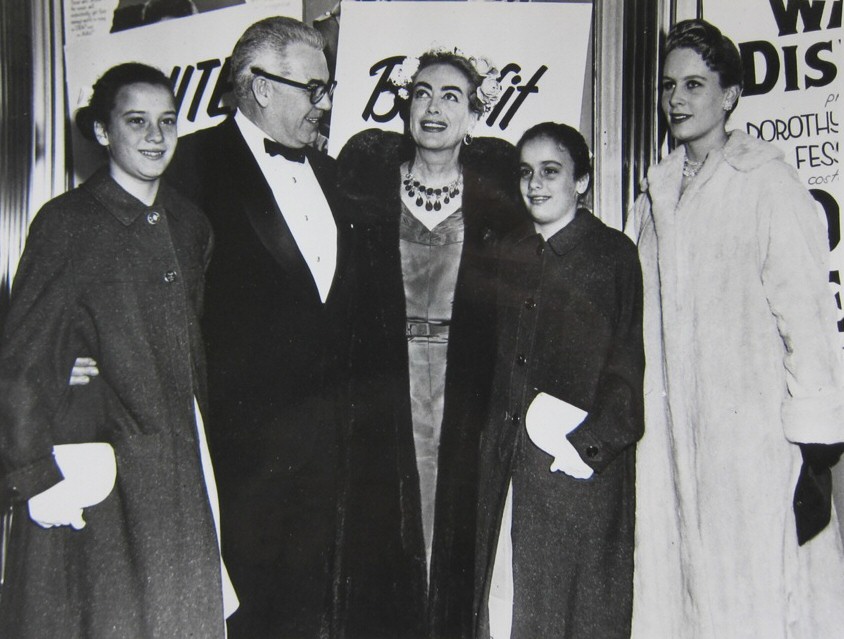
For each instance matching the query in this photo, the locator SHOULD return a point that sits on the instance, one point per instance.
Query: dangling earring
(467, 139)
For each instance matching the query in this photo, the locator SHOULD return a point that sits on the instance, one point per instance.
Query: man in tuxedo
(276, 327)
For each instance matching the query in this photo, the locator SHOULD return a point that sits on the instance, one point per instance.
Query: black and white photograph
(444, 319)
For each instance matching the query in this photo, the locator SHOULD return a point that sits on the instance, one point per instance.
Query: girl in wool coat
(114, 511)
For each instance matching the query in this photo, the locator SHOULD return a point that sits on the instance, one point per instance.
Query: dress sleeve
(616, 420)
(795, 277)
(34, 365)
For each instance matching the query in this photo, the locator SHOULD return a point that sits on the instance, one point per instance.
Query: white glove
(548, 421)
(89, 472)
(54, 507)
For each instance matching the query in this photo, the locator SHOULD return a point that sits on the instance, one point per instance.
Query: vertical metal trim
(608, 54)
(49, 171)
(16, 126)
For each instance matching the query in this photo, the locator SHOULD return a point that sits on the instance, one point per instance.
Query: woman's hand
(55, 507)
(84, 368)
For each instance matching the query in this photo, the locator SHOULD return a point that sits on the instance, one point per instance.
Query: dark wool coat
(105, 276)
(382, 582)
(570, 325)
(277, 371)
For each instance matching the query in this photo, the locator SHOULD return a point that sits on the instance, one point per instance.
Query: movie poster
(791, 50)
(192, 50)
(540, 50)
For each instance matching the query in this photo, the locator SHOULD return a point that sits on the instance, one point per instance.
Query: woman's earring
(727, 105)
(467, 139)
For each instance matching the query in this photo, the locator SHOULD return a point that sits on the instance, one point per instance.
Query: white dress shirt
(302, 203)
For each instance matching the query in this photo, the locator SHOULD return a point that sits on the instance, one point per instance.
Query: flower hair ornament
(488, 92)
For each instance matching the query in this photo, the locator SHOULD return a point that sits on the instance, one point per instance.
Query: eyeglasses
(317, 89)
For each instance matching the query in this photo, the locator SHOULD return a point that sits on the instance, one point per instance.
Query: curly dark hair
(567, 138)
(108, 86)
(717, 50)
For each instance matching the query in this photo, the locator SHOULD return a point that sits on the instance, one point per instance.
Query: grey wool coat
(106, 276)
(570, 325)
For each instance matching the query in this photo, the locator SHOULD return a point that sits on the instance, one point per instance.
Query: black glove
(813, 493)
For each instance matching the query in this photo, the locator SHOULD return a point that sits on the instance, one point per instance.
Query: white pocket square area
(548, 421)
(89, 471)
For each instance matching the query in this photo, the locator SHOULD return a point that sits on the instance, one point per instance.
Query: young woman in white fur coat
(743, 375)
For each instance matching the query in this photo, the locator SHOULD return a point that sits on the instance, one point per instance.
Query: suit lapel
(262, 211)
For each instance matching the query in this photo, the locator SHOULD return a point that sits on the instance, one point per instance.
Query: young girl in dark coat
(556, 502)
(113, 529)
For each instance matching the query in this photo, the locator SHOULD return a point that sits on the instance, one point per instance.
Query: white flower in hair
(402, 75)
(483, 66)
(489, 91)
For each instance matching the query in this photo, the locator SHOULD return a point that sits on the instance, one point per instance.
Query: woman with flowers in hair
(430, 205)
(744, 389)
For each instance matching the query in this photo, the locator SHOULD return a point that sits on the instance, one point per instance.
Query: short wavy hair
(270, 34)
(107, 87)
(717, 50)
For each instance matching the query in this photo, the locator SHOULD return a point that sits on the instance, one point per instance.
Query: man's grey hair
(271, 34)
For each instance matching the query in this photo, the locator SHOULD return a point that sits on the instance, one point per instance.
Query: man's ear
(261, 90)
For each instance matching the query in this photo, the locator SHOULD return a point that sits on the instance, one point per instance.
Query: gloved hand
(548, 421)
(821, 456)
(52, 508)
(89, 471)
(812, 502)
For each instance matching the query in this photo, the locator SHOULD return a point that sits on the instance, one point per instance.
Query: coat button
(153, 217)
(170, 276)
(521, 360)
(592, 452)
(516, 417)
(530, 304)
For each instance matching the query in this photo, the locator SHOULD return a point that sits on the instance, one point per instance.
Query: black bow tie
(274, 148)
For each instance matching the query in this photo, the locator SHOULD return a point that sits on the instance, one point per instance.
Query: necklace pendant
(432, 198)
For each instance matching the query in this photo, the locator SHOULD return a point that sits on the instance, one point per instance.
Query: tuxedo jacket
(277, 358)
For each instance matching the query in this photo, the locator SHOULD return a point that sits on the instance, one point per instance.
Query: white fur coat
(742, 362)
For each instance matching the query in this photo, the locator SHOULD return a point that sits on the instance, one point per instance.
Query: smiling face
(548, 184)
(287, 114)
(140, 134)
(693, 101)
(439, 108)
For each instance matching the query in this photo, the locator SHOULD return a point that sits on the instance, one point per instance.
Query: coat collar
(568, 237)
(742, 152)
(119, 202)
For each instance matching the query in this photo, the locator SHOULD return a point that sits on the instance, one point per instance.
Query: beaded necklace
(691, 169)
(432, 199)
